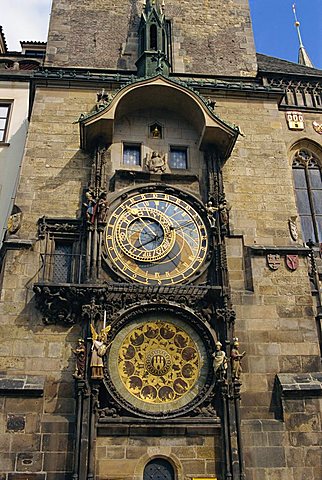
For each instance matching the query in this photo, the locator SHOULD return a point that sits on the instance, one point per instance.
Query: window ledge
(4, 144)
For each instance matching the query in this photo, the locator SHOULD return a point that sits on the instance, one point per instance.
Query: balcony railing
(62, 267)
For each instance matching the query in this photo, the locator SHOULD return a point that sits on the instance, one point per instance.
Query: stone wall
(192, 455)
(212, 37)
(275, 317)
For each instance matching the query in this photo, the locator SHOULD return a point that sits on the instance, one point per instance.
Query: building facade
(15, 70)
(160, 299)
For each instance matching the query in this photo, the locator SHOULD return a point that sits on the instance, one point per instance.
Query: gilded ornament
(99, 349)
(161, 363)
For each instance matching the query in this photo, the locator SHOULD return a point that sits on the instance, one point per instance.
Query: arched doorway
(159, 469)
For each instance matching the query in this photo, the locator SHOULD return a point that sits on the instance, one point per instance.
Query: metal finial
(304, 58)
(297, 25)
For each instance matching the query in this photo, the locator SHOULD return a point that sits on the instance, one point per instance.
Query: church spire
(304, 58)
(154, 40)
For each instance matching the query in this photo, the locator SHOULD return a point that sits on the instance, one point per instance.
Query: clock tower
(155, 291)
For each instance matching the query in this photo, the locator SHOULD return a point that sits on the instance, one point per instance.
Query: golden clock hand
(149, 241)
(182, 226)
(133, 211)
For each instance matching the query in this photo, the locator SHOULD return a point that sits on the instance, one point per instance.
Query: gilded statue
(99, 349)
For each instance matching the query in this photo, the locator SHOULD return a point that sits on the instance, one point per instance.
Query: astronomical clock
(159, 361)
(156, 238)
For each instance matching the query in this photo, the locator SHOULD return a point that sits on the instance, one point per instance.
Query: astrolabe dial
(160, 362)
(145, 234)
(156, 238)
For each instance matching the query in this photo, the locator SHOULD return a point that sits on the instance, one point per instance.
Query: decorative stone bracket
(67, 304)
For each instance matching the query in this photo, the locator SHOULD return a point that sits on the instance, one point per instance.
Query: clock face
(156, 238)
(161, 362)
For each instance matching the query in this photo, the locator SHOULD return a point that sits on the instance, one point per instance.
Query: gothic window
(158, 469)
(142, 40)
(131, 155)
(4, 120)
(62, 258)
(153, 37)
(63, 262)
(308, 189)
(178, 158)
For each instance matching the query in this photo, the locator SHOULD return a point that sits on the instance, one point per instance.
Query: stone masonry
(213, 37)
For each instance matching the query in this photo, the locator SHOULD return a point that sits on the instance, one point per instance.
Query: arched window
(308, 189)
(153, 37)
(158, 469)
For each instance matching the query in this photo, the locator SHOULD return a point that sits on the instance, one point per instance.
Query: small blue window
(132, 155)
(178, 158)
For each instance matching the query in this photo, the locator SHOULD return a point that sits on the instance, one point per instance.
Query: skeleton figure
(211, 211)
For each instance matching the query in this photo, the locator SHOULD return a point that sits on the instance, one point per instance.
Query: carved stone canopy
(154, 93)
(68, 304)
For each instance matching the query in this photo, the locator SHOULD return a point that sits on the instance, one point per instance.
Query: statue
(90, 206)
(219, 360)
(99, 349)
(236, 357)
(14, 221)
(102, 208)
(211, 211)
(80, 352)
(156, 163)
(224, 210)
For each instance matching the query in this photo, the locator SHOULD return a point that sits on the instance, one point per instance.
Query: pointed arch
(306, 158)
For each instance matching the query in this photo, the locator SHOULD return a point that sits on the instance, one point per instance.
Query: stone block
(25, 442)
(57, 462)
(194, 467)
(29, 462)
(303, 422)
(56, 424)
(111, 468)
(294, 457)
(7, 462)
(313, 457)
(265, 457)
(55, 442)
(23, 405)
(184, 452)
(305, 473)
(16, 423)
(135, 452)
(207, 453)
(31, 476)
(115, 452)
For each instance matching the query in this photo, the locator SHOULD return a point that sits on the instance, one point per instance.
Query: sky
(273, 25)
